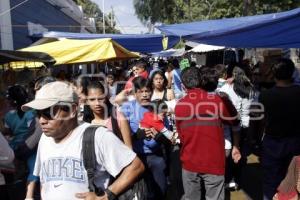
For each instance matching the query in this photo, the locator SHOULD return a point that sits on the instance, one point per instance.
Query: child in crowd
(156, 118)
(139, 69)
(112, 87)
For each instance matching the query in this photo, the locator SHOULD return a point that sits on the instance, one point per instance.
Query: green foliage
(91, 9)
(153, 11)
(178, 11)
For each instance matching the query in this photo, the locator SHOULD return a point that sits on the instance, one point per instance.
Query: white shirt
(242, 105)
(60, 166)
(228, 89)
(112, 90)
(227, 134)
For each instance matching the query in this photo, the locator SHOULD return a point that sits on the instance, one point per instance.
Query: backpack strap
(89, 158)
(115, 125)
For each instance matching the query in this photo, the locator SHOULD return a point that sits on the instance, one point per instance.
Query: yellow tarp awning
(69, 51)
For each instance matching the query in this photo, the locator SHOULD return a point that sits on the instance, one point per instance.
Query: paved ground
(250, 186)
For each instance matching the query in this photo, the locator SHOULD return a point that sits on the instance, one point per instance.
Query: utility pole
(246, 7)
(190, 11)
(103, 16)
(112, 17)
(6, 31)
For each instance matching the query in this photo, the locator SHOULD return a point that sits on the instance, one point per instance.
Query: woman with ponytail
(101, 112)
(241, 92)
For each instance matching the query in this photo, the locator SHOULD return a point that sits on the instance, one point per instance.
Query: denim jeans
(155, 176)
(277, 154)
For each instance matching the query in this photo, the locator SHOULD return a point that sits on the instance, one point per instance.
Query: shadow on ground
(251, 182)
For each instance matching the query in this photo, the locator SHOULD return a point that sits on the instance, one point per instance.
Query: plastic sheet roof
(143, 43)
(275, 30)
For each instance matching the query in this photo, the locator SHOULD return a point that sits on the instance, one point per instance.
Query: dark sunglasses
(49, 113)
(45, 113)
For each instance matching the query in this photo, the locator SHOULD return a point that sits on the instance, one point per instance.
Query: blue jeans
(277, 154)
(155, 176)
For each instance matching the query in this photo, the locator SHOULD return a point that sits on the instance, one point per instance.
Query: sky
(127, 21)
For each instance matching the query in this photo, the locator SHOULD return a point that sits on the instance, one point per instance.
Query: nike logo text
(57, 185)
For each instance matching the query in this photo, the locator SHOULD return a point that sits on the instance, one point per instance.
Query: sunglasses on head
(50, 113)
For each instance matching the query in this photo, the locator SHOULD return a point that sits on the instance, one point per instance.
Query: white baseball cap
(52, 94)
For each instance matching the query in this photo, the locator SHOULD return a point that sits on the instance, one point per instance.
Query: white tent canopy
(201, 48)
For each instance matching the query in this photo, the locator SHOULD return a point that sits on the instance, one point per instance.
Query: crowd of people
(160, 133)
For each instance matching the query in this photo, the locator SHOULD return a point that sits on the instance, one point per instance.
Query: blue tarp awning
(169, 53)
(144, 43)
(276, 30)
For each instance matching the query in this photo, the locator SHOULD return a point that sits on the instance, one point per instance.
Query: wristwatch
(110, 194)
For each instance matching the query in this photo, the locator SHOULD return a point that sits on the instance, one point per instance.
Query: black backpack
(89, 160)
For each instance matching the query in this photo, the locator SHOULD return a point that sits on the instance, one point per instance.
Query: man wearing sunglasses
(59, 162)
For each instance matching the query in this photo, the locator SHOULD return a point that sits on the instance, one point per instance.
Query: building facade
(21, 19)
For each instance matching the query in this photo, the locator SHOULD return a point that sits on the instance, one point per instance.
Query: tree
(178, 11)
(111, 23)
(91, 9)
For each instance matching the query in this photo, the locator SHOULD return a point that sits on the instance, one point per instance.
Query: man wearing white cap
(59, 162)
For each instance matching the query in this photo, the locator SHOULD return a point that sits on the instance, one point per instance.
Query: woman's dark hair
(111, 110)
(83, 81)
(175, 63)
(162, 64)
(283, 69)
(88, 115)
(141, 64)
(230, 68)
(18, 97)
(208, 79)
(190, 77)
(120, 87)
(160, 73)
(95, 85)
(140, 82)
(221, 70)
(43, 80)
(242, 84)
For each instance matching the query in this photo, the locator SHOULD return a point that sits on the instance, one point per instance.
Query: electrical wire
(6, 11)
(63, 26)
(120, 24)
